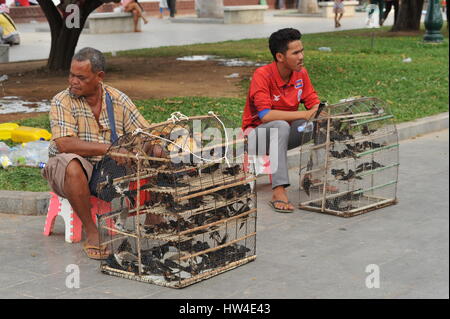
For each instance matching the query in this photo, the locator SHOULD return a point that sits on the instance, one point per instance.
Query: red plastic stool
(266, 165)
(60, 206)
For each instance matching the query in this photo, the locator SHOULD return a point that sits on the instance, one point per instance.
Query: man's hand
(154, 150)
(314, 111)
(122, 160)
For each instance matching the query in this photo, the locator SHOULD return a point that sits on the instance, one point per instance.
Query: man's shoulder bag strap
(112, 122)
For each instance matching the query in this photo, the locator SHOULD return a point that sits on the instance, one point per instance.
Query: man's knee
(75, 171)
(283, 127)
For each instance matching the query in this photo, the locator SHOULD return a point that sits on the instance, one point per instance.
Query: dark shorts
(55, 170)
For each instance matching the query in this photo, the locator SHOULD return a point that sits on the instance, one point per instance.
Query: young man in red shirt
(271, 117)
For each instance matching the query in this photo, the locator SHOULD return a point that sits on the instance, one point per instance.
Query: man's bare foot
(93, 238)
(137, 30)
(146, 21)
(279, 193)
(93, 249)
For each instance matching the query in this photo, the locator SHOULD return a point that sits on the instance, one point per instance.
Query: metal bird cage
(187, 208)
(349, 159)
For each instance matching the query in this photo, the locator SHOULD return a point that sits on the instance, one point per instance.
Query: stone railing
(111, 22)
(244, 14)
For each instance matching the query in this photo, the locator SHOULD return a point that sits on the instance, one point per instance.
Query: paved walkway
(300, 255)
(36, 45)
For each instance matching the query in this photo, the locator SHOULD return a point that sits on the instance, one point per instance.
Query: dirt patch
(139, 78)
(13, 117)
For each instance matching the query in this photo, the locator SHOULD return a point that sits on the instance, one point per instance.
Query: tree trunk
(209, 8)
(409, 16)
(64, 39)
(308, 6)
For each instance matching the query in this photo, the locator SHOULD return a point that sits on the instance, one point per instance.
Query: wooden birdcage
(187, 208)
(351, 165)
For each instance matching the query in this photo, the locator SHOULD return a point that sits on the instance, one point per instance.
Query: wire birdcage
(187, 208)
(351, 166)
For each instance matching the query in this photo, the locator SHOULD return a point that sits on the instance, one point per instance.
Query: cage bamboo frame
(207, 209)
(352, 160)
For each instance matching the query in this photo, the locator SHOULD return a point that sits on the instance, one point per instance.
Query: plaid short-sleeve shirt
(72, 116)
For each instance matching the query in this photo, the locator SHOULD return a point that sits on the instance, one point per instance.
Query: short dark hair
(94, 56)
(279, 40)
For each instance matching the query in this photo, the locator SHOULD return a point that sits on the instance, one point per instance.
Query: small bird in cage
(340, 136)
(351, 174)
(306, 184)
(339, 174)
(343, 154)
(368, 166)
(375, 109)
(366, 131)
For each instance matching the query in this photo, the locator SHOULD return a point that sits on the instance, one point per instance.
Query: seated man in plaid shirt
(82, 135)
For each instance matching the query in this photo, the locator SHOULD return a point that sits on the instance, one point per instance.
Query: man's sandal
(95, 252)
(279, 210)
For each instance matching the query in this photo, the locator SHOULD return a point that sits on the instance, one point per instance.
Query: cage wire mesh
(187, 207)
(349, 160)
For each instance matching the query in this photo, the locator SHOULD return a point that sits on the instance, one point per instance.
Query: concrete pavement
(36, 45)
(300, 255)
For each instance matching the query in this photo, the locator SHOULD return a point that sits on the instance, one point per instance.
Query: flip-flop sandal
(100, 254)
(279, 210)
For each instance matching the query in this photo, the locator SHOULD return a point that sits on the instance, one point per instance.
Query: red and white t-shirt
(269, 92)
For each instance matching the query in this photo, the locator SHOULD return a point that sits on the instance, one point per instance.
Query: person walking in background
(172, 7)
(162, 5)
(389, 4)
(338, 12)
(133, 7)
(281, 4)
(372, 8)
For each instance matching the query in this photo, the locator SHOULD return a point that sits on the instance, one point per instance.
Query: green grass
(22, 179)
(40, 121)
(25, 178)
(353, 68)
